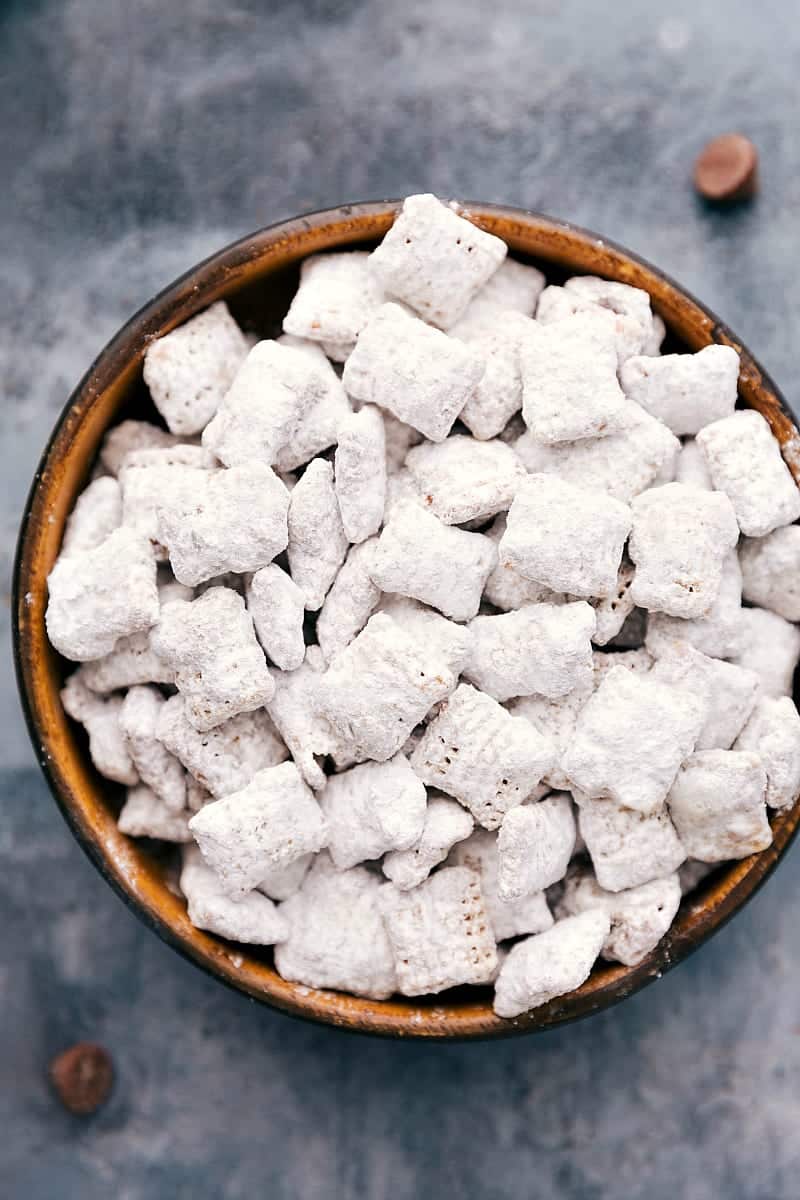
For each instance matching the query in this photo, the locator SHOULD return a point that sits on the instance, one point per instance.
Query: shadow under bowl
(257, 276)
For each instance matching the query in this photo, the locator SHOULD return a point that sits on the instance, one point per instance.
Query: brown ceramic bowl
(257, 276)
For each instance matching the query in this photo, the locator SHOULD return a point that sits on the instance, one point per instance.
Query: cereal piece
(274, 389)
(317, 540)
(160, 770)
(269, 823)
(435, 260)
(557, 653)
(506, 588)
(277, 607)
(460, 479)
(685, 391)
(631, 737)
(108, 748)
(280, 883)
(418, 556)
(442, 640)
(223, 759)
(399, 440)
(720, 633)
(440, 932)
(744, 461)
(549, 964)
(337, 295)
(556, 304)
(147, 477)
(400, 489)
(132, 435)
(628, 848)
(476, 751)
(679, 539)
(773, 732)
(514, 287)
(717, 805)
(569, 539)
(132, 661)
(189, 370)
(145, 815)
(97, 513)
(337, 937)
(625, 317)
(219, 521)
(509, 918)
(691, 466)
(496, 339)
(219, 666)
(253, 918)
(607, 293)
(350, 602)
(639, 917)
(319, 427)
(295, 711)
(446, 823)
(380, 686)
(361, 473)
(771, 648)
(555, 719)
(613, 610)
(630, 305)
(732, 691)
(771, 571)
(535, 844)
(569, 381)
(620, 464)
(373, 808)
(414, 370)
(100, 595)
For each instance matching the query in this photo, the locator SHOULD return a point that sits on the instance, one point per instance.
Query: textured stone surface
(134, 143)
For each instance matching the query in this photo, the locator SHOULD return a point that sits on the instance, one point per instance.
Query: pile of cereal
(438, 664)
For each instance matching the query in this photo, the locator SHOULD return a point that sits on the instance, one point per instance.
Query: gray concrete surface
(137, 136)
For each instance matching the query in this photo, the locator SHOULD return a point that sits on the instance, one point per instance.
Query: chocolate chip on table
(726, 169)
(82, 1077)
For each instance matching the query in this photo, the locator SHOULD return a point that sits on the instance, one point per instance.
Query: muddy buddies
(449, 633)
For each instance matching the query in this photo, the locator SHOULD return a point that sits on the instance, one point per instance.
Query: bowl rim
(399, 1017)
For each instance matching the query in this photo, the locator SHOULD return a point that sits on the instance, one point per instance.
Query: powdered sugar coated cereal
(744, 461)
(414, 370)
(368, 655)
(189, 370)
(435, 260)
(219, 667)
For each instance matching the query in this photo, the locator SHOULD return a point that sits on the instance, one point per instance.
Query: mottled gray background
(135, 137)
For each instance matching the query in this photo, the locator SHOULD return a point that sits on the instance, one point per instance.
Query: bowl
(257, 277)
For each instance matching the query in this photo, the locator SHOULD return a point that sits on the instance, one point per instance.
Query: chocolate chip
(726, 170)
(82, 1077)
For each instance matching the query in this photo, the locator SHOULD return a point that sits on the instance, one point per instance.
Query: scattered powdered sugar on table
(338, 629)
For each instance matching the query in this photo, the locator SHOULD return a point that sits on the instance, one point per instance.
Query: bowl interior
(257, 277)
